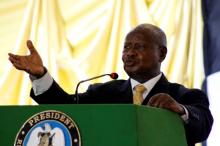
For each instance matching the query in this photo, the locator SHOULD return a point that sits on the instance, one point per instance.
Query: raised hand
(31, 64)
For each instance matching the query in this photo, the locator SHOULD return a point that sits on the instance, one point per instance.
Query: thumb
(31, 47)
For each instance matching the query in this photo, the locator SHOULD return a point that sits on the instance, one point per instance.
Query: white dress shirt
(42, 84)
(148, 85)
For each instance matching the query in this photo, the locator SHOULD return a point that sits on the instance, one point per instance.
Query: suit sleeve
(56, 95)
(200, 119)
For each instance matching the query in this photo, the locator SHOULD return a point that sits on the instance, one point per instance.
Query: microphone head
(114, 75)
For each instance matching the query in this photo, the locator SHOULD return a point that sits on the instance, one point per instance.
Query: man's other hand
(31, 64)
(163, 100)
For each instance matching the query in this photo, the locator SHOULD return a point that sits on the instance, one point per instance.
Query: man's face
(141, 56)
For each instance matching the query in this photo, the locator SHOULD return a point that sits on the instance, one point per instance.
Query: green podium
(103, 125)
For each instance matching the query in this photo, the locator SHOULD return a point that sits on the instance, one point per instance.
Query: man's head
(144, 50)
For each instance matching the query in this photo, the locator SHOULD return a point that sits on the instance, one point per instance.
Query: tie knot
(140, 88)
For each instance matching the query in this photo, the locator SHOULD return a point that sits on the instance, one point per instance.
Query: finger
(169, 104)
(31, 47)
(17, 65)
(151, 101)
(154, 101)
(164, 104)
(13, 58)
(159, 102)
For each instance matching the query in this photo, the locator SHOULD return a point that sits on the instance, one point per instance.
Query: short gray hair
(155, 32)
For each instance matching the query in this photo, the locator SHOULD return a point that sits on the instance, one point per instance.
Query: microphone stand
(76, 91)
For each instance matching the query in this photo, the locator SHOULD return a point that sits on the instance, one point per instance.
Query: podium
(103, 124)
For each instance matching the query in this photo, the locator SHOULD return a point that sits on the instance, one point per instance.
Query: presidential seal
(48, 128)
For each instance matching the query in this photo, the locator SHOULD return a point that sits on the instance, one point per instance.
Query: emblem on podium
(49, 128)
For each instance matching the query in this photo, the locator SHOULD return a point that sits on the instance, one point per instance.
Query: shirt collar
(148, 85)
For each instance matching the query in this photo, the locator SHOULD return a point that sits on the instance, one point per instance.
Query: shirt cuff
(42, 84)
(185, 117)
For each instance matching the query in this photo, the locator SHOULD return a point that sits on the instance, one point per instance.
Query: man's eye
(139, 47)
(126, 47)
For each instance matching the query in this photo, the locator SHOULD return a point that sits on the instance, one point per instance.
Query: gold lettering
(71, 126)
(67, 121)
(47, 115)
(31, 122)
(42, 116)
(36, 119)
(62, 118)
(57, 116)
(52, 116)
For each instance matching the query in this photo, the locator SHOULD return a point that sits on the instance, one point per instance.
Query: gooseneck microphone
(112, 75)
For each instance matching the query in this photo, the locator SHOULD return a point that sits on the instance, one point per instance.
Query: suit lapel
(162, 86)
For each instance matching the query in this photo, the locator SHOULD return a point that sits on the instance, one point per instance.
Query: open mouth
(130, 63)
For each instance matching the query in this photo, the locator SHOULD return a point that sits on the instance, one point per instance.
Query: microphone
(112, 75)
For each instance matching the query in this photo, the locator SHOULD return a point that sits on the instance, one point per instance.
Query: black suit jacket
(196, 102)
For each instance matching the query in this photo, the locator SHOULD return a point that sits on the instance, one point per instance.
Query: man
(144, 51)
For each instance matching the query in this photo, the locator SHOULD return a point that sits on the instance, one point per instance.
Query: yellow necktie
(138, 95)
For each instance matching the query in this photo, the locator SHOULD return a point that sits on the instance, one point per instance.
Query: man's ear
(163, 53)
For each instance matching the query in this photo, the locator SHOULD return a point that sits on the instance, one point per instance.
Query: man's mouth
(130, 63)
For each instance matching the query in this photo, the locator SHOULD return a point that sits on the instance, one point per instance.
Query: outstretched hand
(163, 100)
(31, 64)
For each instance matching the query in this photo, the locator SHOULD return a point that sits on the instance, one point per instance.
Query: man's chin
(131, 73)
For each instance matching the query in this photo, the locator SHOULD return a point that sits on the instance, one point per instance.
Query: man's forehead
(138, 37)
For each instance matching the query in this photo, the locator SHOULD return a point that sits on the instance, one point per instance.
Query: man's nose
(131, 52)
